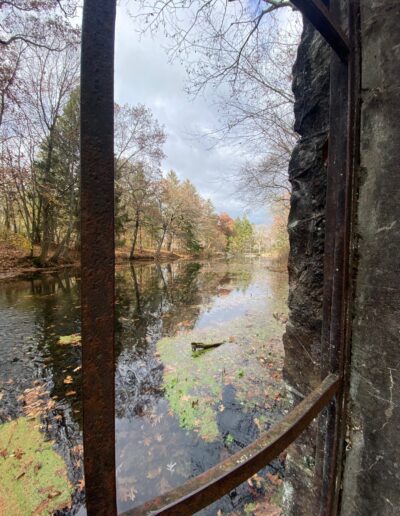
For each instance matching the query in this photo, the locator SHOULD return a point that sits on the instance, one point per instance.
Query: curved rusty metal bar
(204, 489)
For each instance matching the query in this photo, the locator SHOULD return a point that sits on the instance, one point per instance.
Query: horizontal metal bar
(204, 489)
(318, 14)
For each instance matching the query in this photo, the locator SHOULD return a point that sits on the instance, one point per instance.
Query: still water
(178, 411)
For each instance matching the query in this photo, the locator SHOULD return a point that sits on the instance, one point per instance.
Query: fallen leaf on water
(258, 480)
(53, 494)
(258, 424)
(153, 473)
(74, 339)
(274, 479)
(78, 448)
(171, 466)
(19, 453)
(128, 493)
(165, 485)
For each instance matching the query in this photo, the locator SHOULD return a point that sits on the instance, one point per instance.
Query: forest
(40, 175)
(157, 211)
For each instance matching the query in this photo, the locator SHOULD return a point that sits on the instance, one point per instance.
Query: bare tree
(38, 23)
(26, 25)
(47, 85)
(138, 184)
(139, 141)
(138, 136)
(244, 50)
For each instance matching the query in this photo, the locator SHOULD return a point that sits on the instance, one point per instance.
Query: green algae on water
(33, 476)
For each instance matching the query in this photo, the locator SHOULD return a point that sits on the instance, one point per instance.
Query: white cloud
(143, 74)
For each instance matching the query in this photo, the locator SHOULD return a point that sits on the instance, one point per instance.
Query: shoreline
(18, 265)
(22, 265)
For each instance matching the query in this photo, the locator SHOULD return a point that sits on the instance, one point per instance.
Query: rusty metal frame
(97, 282)
(204, 489)
(342, 165)
(97, 254)
(321, 17)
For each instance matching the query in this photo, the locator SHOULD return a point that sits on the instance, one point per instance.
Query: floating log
(203, 345)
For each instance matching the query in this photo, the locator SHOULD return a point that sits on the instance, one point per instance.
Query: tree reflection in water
(159, 309)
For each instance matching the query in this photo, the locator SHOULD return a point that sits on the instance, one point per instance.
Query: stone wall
(372, 465)
(371, 482)
(302, 340)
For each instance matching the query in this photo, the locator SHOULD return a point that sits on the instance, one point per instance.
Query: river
(178, 411)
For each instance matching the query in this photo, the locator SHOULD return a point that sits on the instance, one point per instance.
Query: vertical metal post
(346, 255)
(97, 253)
(337, 288)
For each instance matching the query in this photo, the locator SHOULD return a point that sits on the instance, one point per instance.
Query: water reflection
(177, 414)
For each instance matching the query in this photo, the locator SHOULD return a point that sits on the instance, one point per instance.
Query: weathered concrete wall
(371, 483)
(302, 341)
(372, 467)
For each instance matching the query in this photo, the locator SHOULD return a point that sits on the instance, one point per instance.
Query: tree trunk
(64, 244)
(159, 246)
(135, 236)
(47, 208)
(169, 242)
(137, 290)
(45, 244)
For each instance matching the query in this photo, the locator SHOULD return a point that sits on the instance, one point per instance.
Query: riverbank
(16, 261)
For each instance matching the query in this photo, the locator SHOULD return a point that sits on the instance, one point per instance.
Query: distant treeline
(40, 182)
(40, 157)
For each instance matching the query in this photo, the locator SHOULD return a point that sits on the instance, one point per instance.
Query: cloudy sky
(143, 74)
